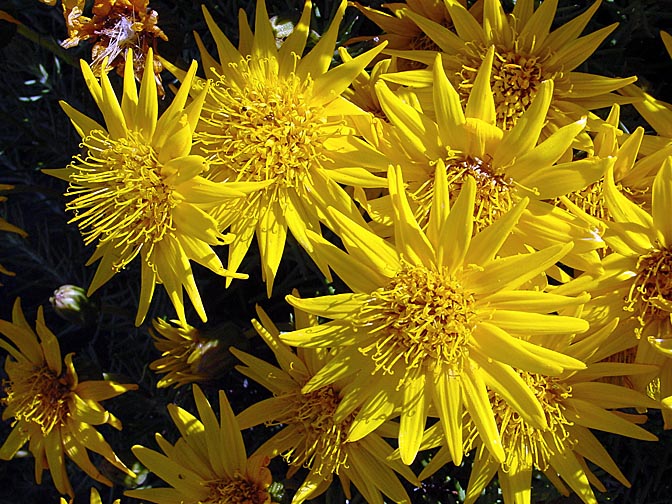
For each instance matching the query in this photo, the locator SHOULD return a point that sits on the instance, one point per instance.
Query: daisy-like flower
(115, 27)
(434, 319)
(506, 165)
(138, 191)
(573, 403)
(50, 408)
(636, 285)
(527, 53)
(208, 464)
(276, 117)
(314, 436)
(7, 227)
(187, 355)
(94, 498)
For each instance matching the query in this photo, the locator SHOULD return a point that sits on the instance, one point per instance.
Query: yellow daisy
(527, 53)
(636, 285)
(208, 463)
(6, 226)
(314, 436)
(137, 190)
(277, 118)
(50, 408)
(187, 354)
(507, 165)
(434, 319)
(573, 403)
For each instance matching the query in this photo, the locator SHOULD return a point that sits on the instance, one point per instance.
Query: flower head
(137, 191)
(187, 354)
(275, 120)
(314, 435)
(435, 318)
(208, 464)
(507, 165)
(49, 407)
(527, 53)
(636, 286)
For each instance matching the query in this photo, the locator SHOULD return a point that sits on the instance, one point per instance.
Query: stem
(48, 43)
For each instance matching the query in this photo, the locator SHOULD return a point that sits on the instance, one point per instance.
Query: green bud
(72, 304)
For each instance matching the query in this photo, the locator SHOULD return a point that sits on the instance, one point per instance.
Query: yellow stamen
(515, 79)
(653, 282)
(38, 396)
(120, 196)
(519, 438)
(236, 491)
(422, 315)
(266, 131)
(323, 449)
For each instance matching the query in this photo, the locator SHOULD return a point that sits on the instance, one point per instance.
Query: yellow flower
(434, 319)
(137, 190)
(275, 118)
(507, 165)
(50, 408)
(527, 53)
(187, 355)
(94, 499)
(633, 172)
(573, 403)
(10, 228)
(636, 285)
(314, 435)
(208, 464)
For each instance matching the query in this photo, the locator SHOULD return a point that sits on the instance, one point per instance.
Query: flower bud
(72, 304)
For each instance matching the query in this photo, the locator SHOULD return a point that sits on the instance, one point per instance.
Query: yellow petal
(413, 417)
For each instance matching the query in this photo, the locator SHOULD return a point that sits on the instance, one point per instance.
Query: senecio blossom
(137, 190)
(274, 120)
(50, 408)
(434, 320)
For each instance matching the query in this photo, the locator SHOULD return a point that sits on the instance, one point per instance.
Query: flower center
(422, 316)
(652, 287)
(265, 131)
(236, 491)
(38, 396)
(519, 438)
(120, 196)
(495, 194)
(323, 447)
(515, 80)
(591, 200)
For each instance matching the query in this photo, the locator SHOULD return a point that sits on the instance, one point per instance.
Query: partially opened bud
(72, 304)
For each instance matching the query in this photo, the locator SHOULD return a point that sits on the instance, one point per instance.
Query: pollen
(236, 491)
(651, 293)
(515, 80)
(120, 196)
(265, 131)
(519, 439)
(36, 395)
(423, 316)
(323, 449)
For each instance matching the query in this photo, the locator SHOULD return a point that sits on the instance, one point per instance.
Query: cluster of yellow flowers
(508, 254)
